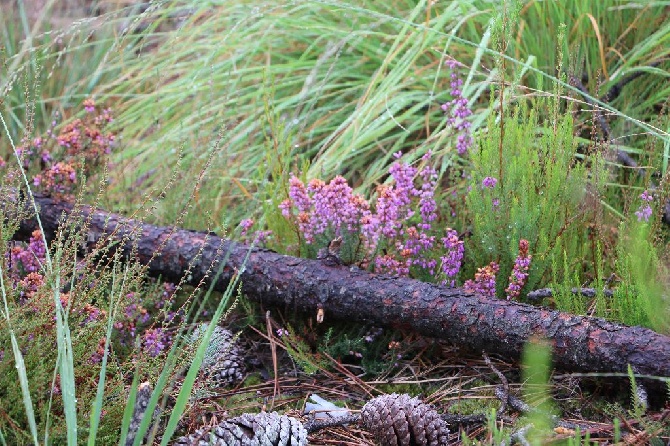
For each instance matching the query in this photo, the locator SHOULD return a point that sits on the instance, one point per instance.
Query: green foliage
(563, 296)
(605, 41)
(540, 195)
(273, 178)
(351, 83)
(639, 298)
(302, 354)
(495, 434)
(47, 376)
(536, 368)
(46, 71)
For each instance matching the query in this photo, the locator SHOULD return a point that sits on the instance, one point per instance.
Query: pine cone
(262, 429)
(404, 421)
(223, 363)
(141, 403)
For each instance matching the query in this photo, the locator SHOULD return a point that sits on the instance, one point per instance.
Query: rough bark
(579, 343)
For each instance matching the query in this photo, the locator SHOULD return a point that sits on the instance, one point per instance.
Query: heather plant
(333, 120)
(109, 325)
(529, 193)
(72, 329)
(640, 297)
(76, 151)
(395, 234)
(202, 76)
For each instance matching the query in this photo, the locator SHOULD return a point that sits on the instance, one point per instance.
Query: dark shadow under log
(583, 344)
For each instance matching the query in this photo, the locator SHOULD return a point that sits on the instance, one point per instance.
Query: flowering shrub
(484, 281)
(259, 237)
(458, 111)
(393, 235)
(451, 263)
(644, 211)
(24, 260)
(519, 274)
(79, 148)
(527, 194)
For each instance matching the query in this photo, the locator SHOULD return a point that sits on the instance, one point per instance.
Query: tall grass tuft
(351, 83)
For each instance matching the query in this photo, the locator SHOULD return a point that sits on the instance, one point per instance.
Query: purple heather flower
(427, 205)
(404, 189)
(89, 105)
(485, 280)
(415, 247)
(261, 236)
(387, 263)
(644, 211)
(155, 340)
(458, 110)
(321, 206)
(519, 274)
(166, 295)
(28, 259)
(246, 224)
(451, 263)
(489, 182)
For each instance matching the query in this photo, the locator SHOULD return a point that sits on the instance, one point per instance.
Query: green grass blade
(194, 368)
(128, 410)
(100, 392)
(20, 365)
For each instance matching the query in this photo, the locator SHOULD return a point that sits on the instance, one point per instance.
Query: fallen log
(582, 344)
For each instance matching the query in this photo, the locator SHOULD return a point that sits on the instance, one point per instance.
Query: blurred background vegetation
(209, 84)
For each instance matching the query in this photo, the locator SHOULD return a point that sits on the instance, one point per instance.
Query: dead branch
(348, 293)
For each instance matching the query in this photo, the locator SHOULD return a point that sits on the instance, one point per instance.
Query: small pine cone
(262, 429)
(141, 402)
(404, 421)
(223, 363)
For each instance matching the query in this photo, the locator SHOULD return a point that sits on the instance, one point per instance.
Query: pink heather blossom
(388, 263)
(322, 206)
(246, 224)
(427, 205)
(458, 110)
(519, 274)
(25, 260)
(485, 280)
(489, 182)
(89, 105)
(155, 341)
(402, 217)
(644, 211)
(451, 263)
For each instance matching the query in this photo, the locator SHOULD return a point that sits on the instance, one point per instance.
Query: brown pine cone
(223, 363)
(262, 429)
(404, 421)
